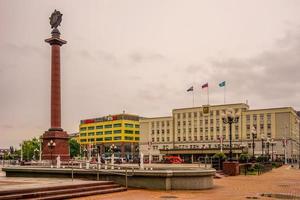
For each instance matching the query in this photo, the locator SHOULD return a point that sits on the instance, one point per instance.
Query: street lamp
(272, 142)
(112, 149)
(253, 132)
(268, 142)
(262, 137)
(35, 150)
(51, 145)
(230, 118)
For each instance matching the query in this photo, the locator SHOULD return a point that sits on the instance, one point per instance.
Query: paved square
(281, 180)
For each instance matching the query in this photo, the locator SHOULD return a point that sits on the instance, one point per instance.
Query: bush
(220, 155)
(244, 157)
(262, 159)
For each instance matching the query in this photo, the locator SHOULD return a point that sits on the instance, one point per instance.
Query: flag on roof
(222, 84)
(205, 85)
(190, 89)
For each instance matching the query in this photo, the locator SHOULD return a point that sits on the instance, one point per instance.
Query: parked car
(173, 160)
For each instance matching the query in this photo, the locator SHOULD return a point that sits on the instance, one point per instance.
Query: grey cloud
(146, 57)
(272, 75)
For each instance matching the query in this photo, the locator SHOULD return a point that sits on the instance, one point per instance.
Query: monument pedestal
(231, 168)
(61, 148)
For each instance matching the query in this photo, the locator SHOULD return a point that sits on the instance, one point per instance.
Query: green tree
(28, 148)
(244, 157)
(74, 148)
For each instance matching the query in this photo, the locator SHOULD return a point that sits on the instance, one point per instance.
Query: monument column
(55, 133)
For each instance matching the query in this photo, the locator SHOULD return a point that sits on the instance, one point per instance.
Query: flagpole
(207, 95)
(225, 94)
(193, 99)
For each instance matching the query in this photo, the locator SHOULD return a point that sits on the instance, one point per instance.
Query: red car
(173, 160)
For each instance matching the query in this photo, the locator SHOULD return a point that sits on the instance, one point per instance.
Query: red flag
(205, 85)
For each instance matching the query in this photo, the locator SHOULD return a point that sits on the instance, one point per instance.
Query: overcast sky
(142, 55)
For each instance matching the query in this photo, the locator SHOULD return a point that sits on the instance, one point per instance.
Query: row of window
(195, 114)
(261, 116)
(108, 133)
(110, 139)
(160, 123)
(109, 126)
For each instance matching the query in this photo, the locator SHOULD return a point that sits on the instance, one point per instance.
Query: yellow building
(98, 134)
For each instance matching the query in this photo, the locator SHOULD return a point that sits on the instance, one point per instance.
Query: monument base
(231, 168)
(61, 147)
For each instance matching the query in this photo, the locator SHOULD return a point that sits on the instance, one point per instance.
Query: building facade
(99, 135)
(199, 131)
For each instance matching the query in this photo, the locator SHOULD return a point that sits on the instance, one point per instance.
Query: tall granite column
(55, 132)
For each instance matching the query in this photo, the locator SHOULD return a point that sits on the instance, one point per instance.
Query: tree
(28, 148)
(220, 155)
(244, 157)
(74, 147)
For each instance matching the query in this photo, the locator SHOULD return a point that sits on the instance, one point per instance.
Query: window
(99, 127)
(183, 115)
(218, 129)
(217, 112)
(184, 123)
(117, 138)
(99, 139)
(137, 126)
(136, 138)
(117, 125)
(224, 128)
(190, 115)
(162, 139)
(178, 130)
(99, 133)
(178, 123)
(157, 131)
(168, 139)
(157, 139)
(82, 140)
(129, 131)
(201, 137)
(137, 132)
(91, 134)
(153, 132)
(254, 117)
(108, 138)
(82, 134)
(163, 131)
(128, 125)
(128, 138)
(190, 123)
(248, 127)
(211, 129)
(162, 124)
(117, 131)
(107, 132)
(91, 127)
(108, 126)
(152, 139)
(190, 130)
(195, 130)
(168, 123)
(201, 130)
(261, 126)
(248, 117)
(195, 114)
(152, 124)
(211, 121)
(178, 139)
(168, 131)
(269, 126)
(206, 121)
(83, 128)
(178, 115)
(195, 137)
(184, 139)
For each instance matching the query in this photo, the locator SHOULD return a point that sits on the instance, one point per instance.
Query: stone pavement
(282, 180)
(8, 183)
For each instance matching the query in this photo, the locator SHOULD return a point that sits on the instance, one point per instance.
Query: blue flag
(222, 84)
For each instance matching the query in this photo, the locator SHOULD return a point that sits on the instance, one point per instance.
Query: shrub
(220, 155)
(244, 157)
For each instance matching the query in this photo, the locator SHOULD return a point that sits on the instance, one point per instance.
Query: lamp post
(35, 150)
(112, 149)
(51, 145)
(272, 142)
(253, 132)
(21, 145)
(262, 137)
(230, 118)
(268, 142)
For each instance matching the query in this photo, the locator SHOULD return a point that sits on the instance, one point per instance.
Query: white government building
(196, 132)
